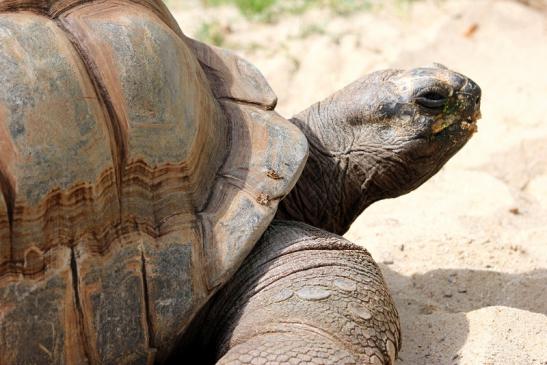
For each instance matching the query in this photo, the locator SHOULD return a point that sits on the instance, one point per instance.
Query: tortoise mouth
(468, 124)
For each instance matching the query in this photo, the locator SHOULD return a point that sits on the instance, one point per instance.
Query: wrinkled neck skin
(333, 189)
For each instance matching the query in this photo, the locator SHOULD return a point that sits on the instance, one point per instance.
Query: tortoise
(141, 174)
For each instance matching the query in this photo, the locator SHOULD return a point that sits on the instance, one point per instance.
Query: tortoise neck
(333, 190)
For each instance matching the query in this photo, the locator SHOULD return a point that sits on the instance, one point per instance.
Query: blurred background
(465, 255)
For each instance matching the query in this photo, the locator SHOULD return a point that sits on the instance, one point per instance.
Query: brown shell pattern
(131, 162)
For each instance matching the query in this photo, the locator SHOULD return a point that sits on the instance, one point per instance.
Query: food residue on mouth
(470, 126)
(440, 126)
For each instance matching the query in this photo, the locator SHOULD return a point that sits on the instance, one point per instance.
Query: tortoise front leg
(305, 296)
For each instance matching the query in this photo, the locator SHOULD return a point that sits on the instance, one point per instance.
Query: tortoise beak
(469, 101)
(473, 93)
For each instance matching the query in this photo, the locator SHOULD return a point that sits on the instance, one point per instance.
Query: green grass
(271, 10)
(212, 33)
(247, 7)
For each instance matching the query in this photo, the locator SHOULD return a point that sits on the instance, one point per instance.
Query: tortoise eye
(431, 99)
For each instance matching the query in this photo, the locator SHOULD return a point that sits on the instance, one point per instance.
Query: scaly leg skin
(305, 296)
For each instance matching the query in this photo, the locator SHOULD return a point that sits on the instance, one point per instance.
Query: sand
(465, 256)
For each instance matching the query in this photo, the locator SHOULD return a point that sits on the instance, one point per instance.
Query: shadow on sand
(433, 317)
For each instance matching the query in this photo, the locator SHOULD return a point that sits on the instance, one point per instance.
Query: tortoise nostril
(478, 100)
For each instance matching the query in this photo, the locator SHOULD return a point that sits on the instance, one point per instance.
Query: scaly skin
(305, 296)
(380, 137)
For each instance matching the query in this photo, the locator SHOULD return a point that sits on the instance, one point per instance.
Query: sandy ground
(465, 255)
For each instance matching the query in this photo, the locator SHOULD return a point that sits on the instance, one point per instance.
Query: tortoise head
(383, 136)
(412, 122)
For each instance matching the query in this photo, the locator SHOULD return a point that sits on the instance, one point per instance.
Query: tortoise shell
(138, 168)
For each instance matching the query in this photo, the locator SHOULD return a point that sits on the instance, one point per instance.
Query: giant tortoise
(141, 172)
